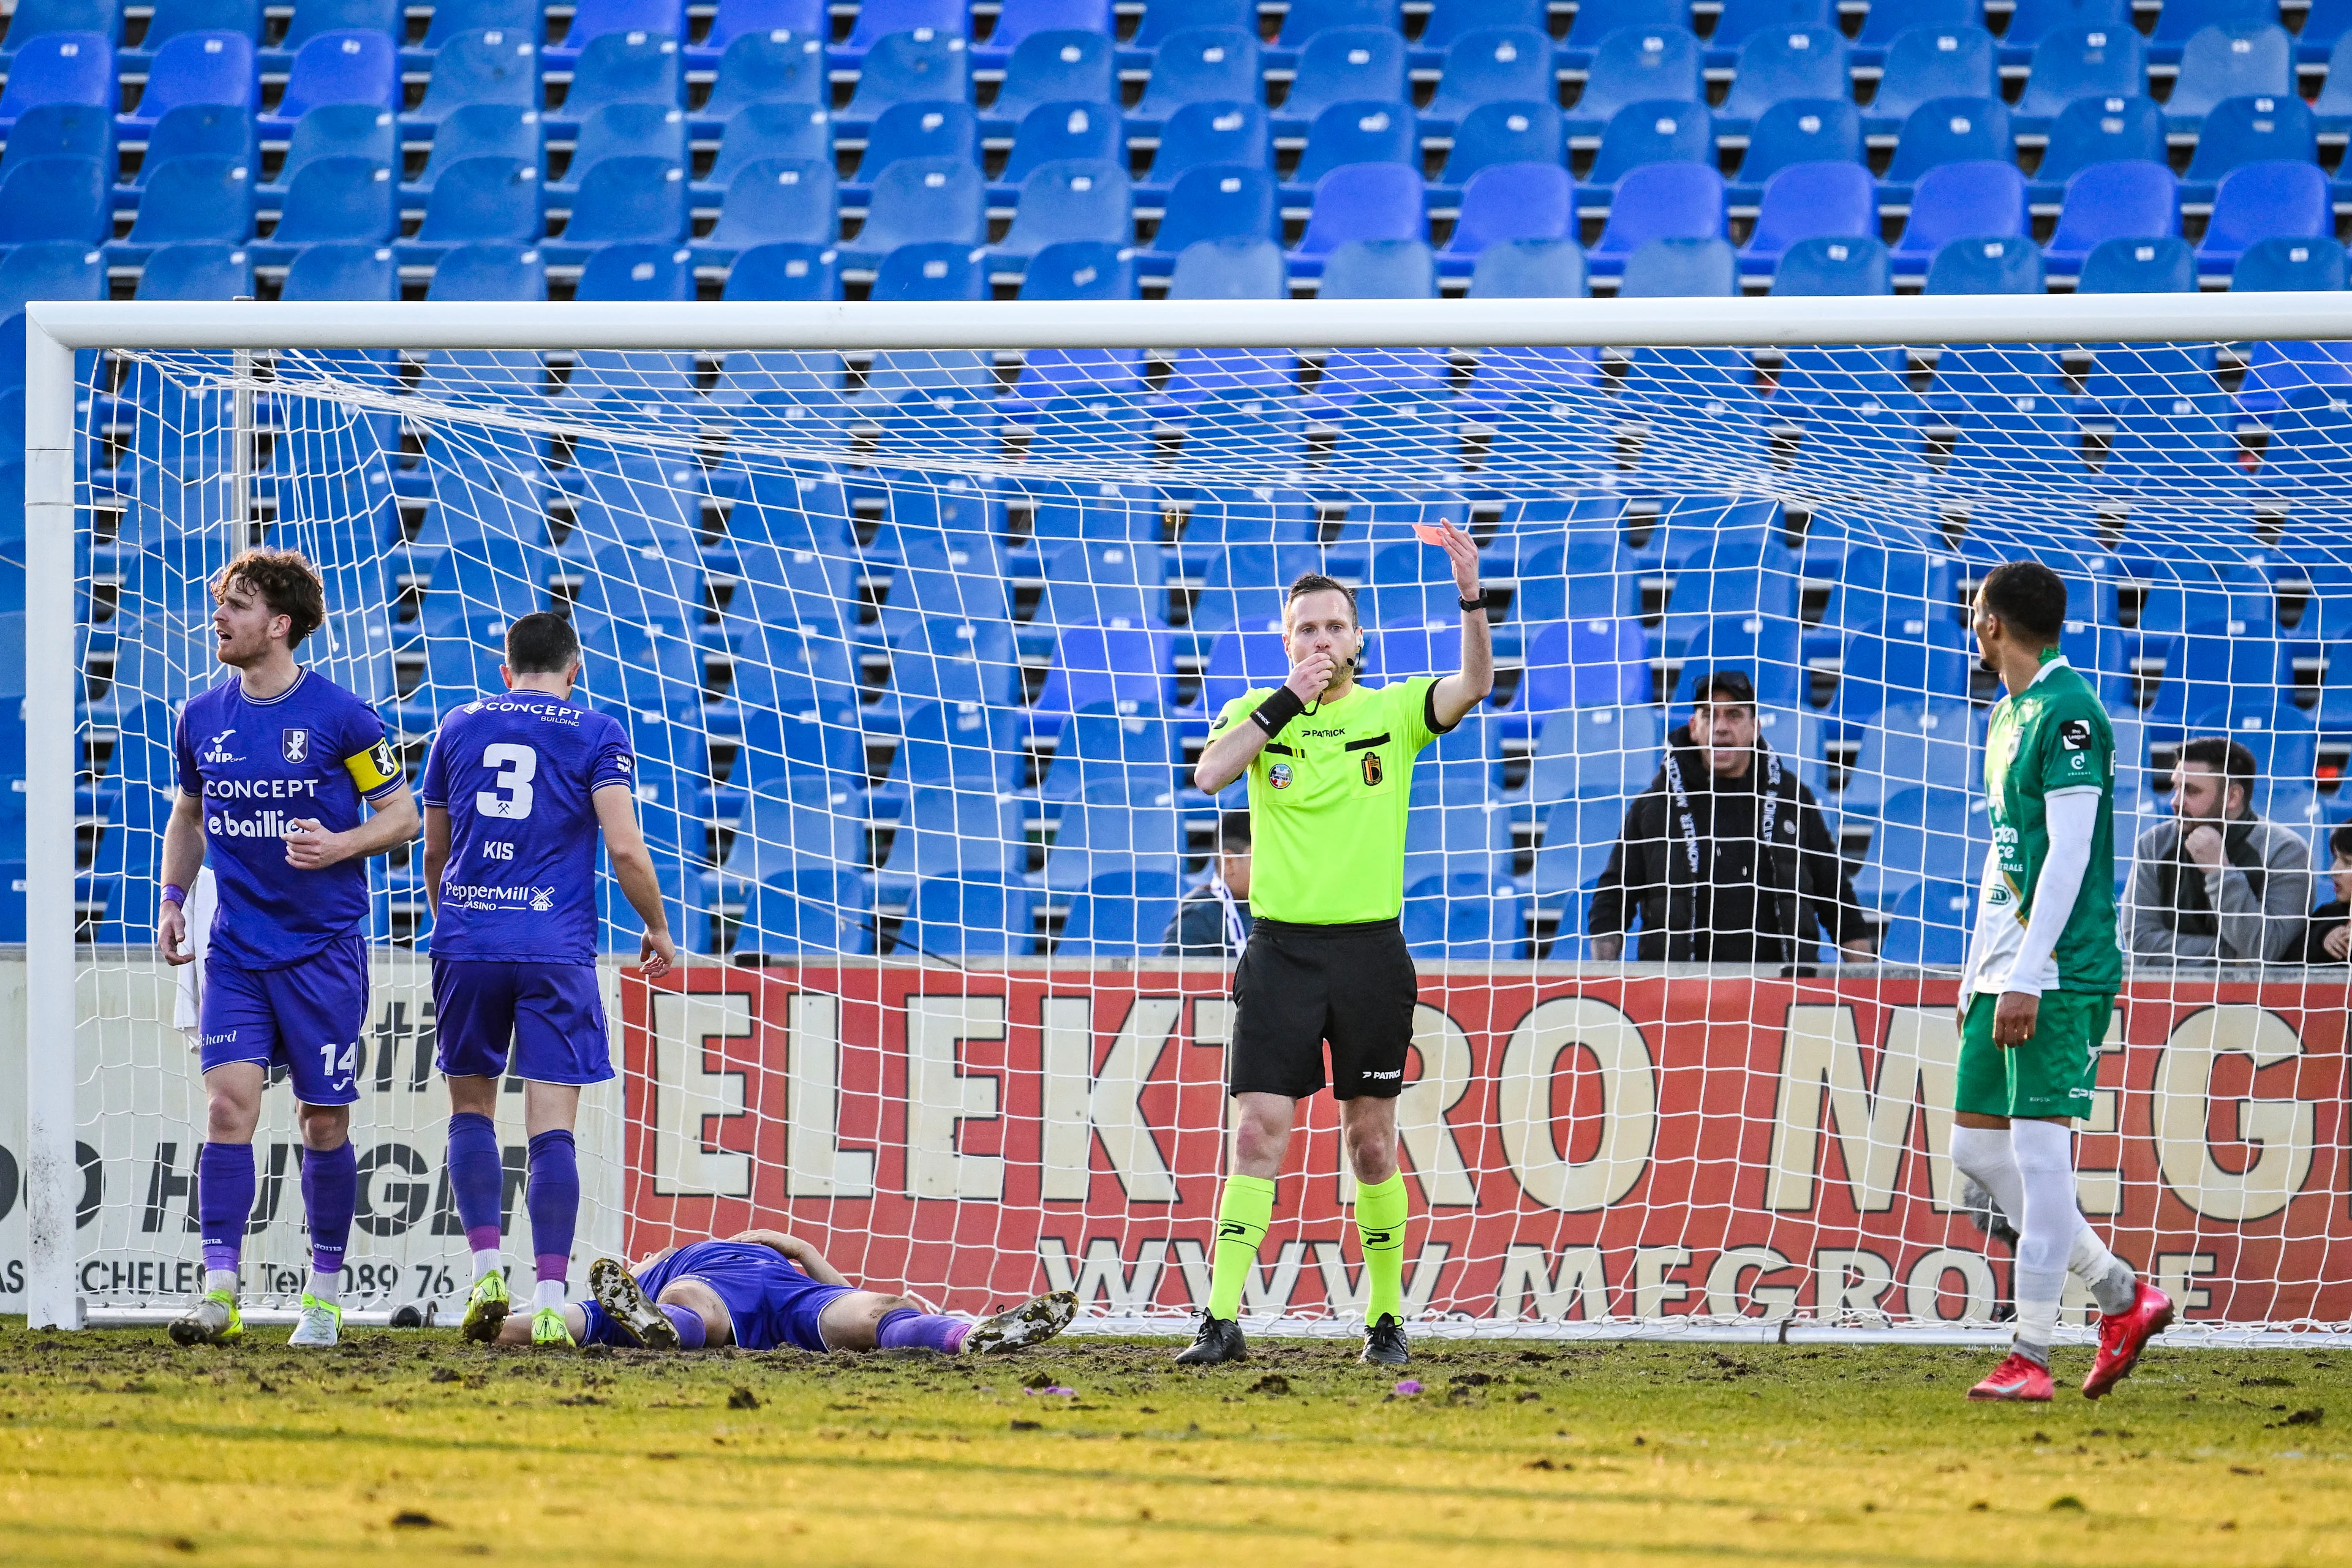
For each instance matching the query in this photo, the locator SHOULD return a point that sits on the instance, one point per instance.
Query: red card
(1430, 534)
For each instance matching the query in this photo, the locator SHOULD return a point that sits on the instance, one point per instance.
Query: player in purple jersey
(274, 768)
(764, 1291)
(516, 788)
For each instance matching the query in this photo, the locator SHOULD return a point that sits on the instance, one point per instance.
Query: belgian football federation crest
(294, 745)
(1278, 775)
(1373, 774)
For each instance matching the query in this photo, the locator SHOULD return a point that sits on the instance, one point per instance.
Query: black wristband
(1276, 710)
(1478, 604)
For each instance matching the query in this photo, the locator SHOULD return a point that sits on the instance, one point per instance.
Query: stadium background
(905, 699)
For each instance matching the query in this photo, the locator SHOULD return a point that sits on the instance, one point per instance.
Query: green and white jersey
(2051, 740)
(1328, 799)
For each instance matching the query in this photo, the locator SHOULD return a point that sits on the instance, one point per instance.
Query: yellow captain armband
(374, 770)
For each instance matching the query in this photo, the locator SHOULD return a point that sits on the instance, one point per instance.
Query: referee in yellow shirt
(1330, 776)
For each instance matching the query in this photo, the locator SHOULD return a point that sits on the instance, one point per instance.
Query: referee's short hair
(1316, 582)
(541, 643)
(1233, 832)
(2029, 597)
(286, 581)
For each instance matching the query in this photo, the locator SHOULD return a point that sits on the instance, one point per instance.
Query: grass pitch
(117, 1446)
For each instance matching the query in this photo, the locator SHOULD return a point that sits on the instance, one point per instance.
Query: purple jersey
(314, 751)
(518, 773)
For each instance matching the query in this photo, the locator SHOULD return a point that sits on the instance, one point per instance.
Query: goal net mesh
(915, 650)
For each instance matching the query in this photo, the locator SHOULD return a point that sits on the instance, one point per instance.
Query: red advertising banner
(1577, 1147)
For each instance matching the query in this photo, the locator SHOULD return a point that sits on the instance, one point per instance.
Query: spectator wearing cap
(1213, 920)
(2218, 881)
(1725, 857)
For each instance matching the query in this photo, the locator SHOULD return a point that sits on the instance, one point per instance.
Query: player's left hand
(2013, 1017)
(311, 847)
(1461, 551)
(655, 954)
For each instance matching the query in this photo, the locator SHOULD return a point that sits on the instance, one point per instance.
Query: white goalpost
(874, 587)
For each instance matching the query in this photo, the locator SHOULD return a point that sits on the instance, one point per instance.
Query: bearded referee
(1330, 774)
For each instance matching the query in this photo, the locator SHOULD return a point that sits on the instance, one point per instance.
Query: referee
(1330, 774)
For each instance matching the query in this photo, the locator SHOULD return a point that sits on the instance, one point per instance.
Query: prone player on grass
(764, 1291)
(516, 789)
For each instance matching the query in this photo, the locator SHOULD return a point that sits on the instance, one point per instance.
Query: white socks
(326, 1287)
(2113, 1284)
(2028, 1169)
(221, 1279)
(490, 1262)
(1983, 1155)
(547, 1293)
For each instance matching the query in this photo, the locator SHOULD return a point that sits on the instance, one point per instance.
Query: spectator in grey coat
(2218, 882)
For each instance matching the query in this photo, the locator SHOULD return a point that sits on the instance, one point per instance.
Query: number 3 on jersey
(516, 765)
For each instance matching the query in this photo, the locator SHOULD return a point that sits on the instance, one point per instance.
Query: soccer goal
(915, 615)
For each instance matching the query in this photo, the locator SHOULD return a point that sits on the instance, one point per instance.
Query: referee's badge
(1372, 769)
(1278, 775)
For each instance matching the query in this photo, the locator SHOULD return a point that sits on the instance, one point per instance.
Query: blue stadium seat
(337, 130)
(340, 68)
(1174, 16)
(2098, 130)
(480, 201)
(2323, 28)
(1593, 23)
(950, 660)
(1357, 133)
(1202, 136)
(2275, 265)
(776, 201)
(2264, 201)
(1467, 919)
(1778, 63)
(811, 911)
(1799, 130)
(2222, 63)
(67, 130)
(2031, 21)
(633, 272)
(1505, 202)
(795, 130)
(1929, 925)
(454, 18)
(1492, 65)
(1652, 132)
(1741, 19)
(1078, 270)
(335, 200)
(921, 128)
(1639, 65)
(1201, 65)
(1504, 134)
(972, 915)
(55, 199)
(881, 19)
(1681, 267)
(777, 66)
(478, 130)
(908, 67)
(921, 201)
(2242, 130)
(1365, 201)
(38, 18)
(965, 745)
(1306, 18)
(61, 67)
(1060, 133)
(2179, 23)
(1659, 201)
(1120, 829)
(1343, 66)
(2112, 201)
(195, 272)
(1058, 66)
(1914, 741)
(327, 272)
(1976, 200)
(1102, 746)
(1808, 201)
(1932, 61)
(2077, 63)
(1470, 839)
(1577, 836)
(1094, 582)
(1825, 266)
(1593, 752)
(196, 201)
(214, 69)
(632, 200)
(1379, 269)
(1529, 269)
(1076, 199)
(1951, 130)
(621, 68)
(2333, 109)
(2159, 265)
(1238, 268)
(489, 271)
(1936, 834)
(1768, 651)
(1120, 665)
(313, 18)
(1121, 914)
(490, 66)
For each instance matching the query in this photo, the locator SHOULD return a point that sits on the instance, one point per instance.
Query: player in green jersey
(1329, 764)
(2039, 988)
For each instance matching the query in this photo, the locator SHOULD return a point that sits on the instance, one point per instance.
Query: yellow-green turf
(117, 1446)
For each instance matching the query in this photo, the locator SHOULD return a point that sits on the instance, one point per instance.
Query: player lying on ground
(2039, 988)
(765, 1290)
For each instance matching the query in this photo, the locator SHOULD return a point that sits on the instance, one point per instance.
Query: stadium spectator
(1213, 920)
(2218, 881)
(2328, 935)
(1688, 862)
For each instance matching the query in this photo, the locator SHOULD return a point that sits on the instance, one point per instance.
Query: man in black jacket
(1725, 857)
(1213, 920)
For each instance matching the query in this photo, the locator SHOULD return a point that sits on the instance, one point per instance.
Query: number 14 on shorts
(339, 1063)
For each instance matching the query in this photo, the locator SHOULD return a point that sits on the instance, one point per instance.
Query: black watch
(1478, 604)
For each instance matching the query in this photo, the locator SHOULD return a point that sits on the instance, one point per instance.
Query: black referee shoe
(1219, 1342)
(1384, 1342)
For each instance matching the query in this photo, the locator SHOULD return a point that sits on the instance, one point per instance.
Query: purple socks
(331, 1188)
(600, 1328)
(688, 1323)
(225, 1200)
(475, 1173)
(554, 1201)
(907, 1328)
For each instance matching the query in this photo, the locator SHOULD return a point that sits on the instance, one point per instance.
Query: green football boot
(319, 1326)
(212, 1319)
(487, 1307)
(547, 1329)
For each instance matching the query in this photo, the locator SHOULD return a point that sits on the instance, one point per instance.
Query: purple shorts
(550, 1013)
(771, 1301)
(307, 1015)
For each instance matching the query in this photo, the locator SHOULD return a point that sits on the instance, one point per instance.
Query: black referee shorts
(1299, 985)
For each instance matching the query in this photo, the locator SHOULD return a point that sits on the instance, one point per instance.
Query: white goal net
(915, 644)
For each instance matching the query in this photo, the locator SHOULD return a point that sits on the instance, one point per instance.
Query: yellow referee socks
(1380, 1211)
(1242, 1215)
